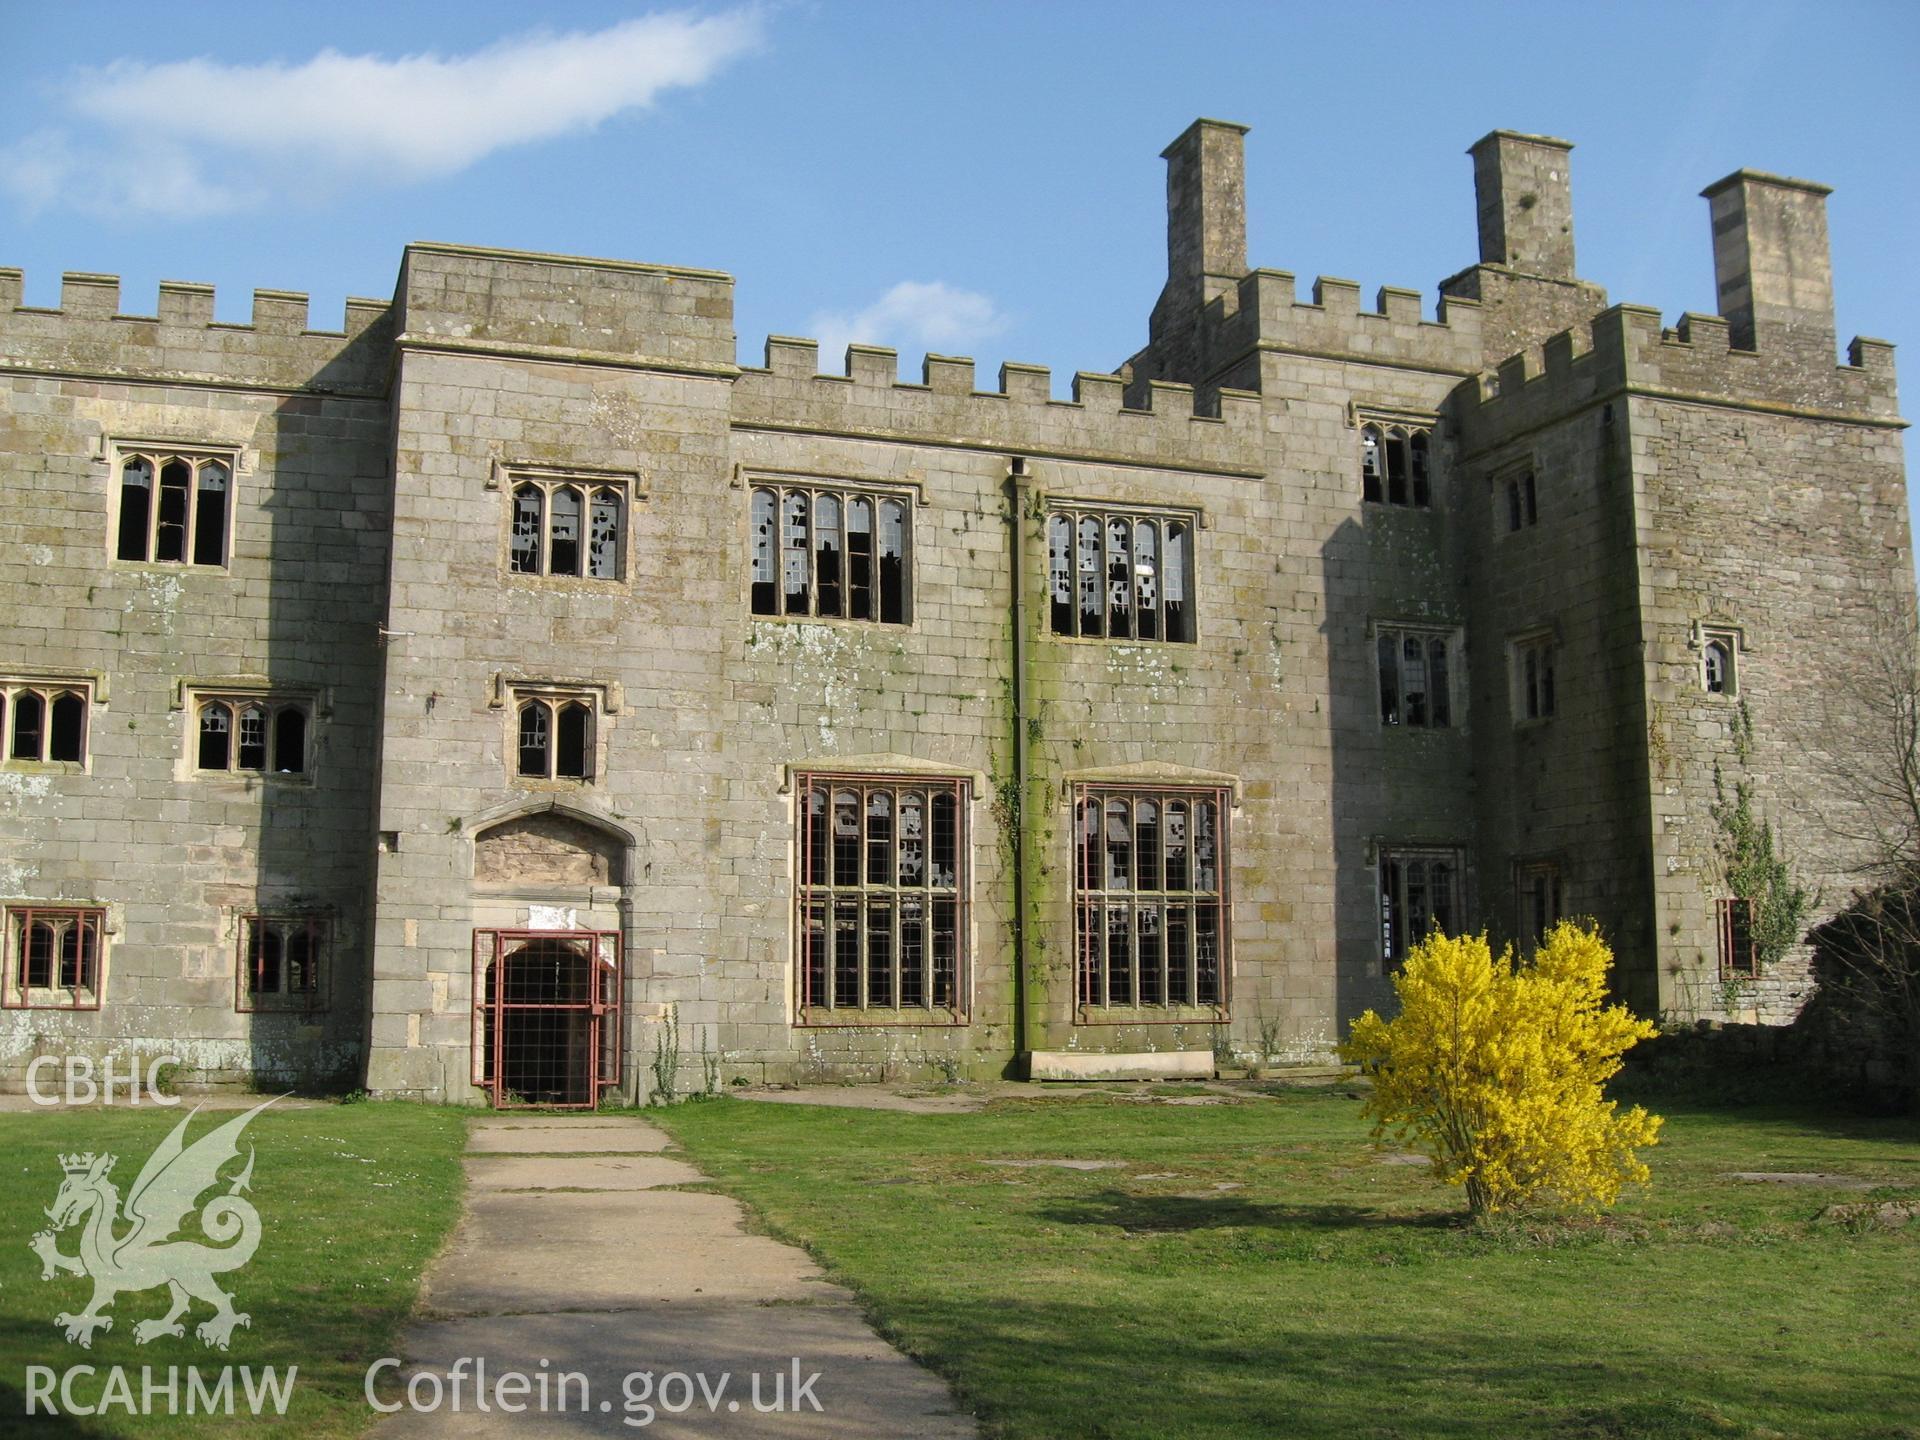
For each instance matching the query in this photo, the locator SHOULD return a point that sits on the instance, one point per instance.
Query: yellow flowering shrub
(1495, 1067)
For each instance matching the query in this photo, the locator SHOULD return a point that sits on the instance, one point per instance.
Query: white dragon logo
(146, 1256)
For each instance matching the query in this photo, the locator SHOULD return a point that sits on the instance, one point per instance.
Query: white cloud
(198, 135)
(923, 315)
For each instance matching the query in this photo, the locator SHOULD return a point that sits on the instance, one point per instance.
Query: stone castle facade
(447, 705)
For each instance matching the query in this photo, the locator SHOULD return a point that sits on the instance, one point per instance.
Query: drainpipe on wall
(1019, 483)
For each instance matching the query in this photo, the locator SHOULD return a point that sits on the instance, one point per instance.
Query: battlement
(87, 334)
(1217, 430)
(1628, 347)
(1264, 309)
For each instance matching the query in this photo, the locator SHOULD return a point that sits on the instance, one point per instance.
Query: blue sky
(970, 178)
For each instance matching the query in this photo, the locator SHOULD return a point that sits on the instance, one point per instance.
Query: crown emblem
(80, 1164)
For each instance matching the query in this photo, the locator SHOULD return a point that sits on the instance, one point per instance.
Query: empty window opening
(186, 522)
(881, 896)
(1534, 663)
(1523, 502)
(1396, 466)
(1416, 687)
(831, 554)
(555, 738)
(283, 962)
(1127, 577)
(44, 722)
(563, 528)
(1717, 666)
(53, 957)
(1150, 870)
(257, 735)
(1739, 954)
(1419, 893)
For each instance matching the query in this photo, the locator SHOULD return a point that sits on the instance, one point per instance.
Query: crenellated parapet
(1264, 310)
(1626, 350)
(1218, 430)
(181, 342)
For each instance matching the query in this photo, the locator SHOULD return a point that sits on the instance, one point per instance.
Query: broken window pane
(170, 536)
(1119, 846)
(879, 837)
(814, 956)
(79, 946)
(1119, 955)
(1177, 877)
(1179, 567)
(136, 507)
(815, 838)
(251, 749)
(264, 962)
(860, 559)
(1422, 491)
(1119, 578)
(913, 854)
(524, 550)
(563, 530)
(794, 570)
(603, 536)
(913, 951)
(216, 736)
(945, 845)
(827, 555)
(1396, 467)
(1413, 679)
(1372, 467)
(533, 739)
(946, 952)
(1092, 618)
(1060, 573)
(573, 742)
(766, 600)
(210, 515)
(893, 562)
(846, 838)
(846, 952)
(290, 740)
(1150, 954)
(1719, 667)
(1146, 550)
(302, 963)
(1179, 956)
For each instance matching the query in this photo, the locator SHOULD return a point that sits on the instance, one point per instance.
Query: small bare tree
(1868, 956)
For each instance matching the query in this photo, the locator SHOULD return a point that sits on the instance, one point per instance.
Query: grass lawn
(353, 1201)
(1262, 1269)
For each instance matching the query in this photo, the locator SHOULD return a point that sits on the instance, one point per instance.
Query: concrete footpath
(577, 1255)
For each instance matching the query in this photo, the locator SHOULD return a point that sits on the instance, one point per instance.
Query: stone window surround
(1456, 688)
(190, 694)
(506, 476)
(14, 993)
(603, 700)
(908, 493)
(1534, 706)
(1383, 424)
(1733, 639)
(50, 685)
(1074, 509)
(899, 772)
(116, 451)
(1390, 893)
(1529, 925)
(319, 931)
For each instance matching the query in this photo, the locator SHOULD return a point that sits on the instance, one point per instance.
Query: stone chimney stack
(1771, 262)
(1525, 195)
(1206, 211)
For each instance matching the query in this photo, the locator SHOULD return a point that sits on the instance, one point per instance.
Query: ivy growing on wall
(1757, 872)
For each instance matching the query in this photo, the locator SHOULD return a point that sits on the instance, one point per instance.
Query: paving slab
(574, 1139)
(577, 1172)
(572, 1258)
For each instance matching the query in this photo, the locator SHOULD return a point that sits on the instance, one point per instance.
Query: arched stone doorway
(547, 958)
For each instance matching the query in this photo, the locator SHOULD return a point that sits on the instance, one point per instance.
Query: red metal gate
(546, 1016)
